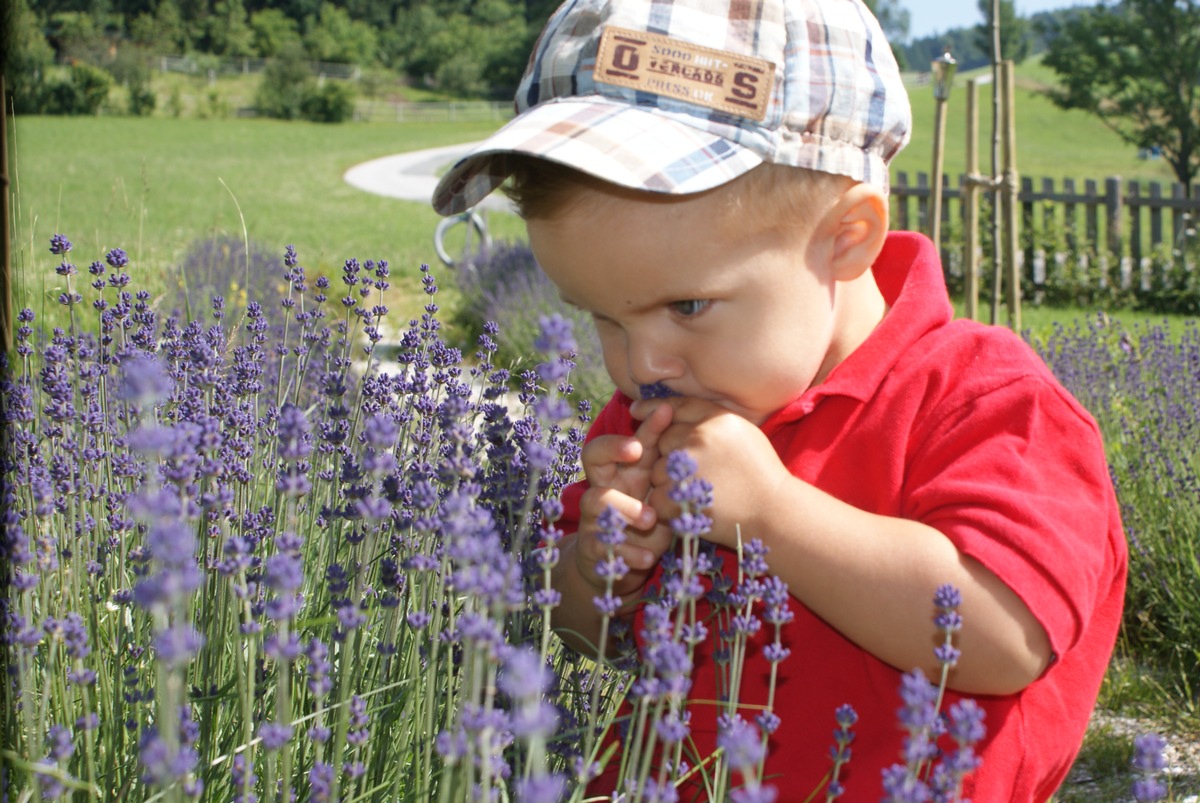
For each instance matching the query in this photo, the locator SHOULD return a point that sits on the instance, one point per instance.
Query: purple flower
(283, 572)
(900, 786)
(274, 735)
(1148, 752)
(673, 728)
(161, 765)
(611, 526)
(966, 722)
(542, 789)
(742, 744)
(656, 390)
(117, 258)
(947, 597)
(680, 466)
(754, 794)
(59, 743)
(524, 676)
(608, 605)
(177, 645)
(1149, 759)
(293, 434)
(59, 245)
(321, 778)
(947, 655)
(144, 380)
(556, 336)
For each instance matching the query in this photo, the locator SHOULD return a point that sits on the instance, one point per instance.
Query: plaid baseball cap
(680, 96)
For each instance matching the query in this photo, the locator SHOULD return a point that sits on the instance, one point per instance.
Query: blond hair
(767, 195)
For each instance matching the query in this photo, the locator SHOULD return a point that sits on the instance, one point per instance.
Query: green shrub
(286, 82)
(83, 92)
(331, 103)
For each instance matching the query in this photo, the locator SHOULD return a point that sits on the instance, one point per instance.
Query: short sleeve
(1018, 480)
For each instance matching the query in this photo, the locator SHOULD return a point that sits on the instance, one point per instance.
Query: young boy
(708, 179)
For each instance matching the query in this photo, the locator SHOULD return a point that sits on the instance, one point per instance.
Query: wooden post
(1136, 276)
(923, 201)
(1009, 196)
(1113, 209)
(935, 199)
(971, 205)
(902, 202)
(1070, 224)
(1179, 221)
(1156, 218)
(6, 287)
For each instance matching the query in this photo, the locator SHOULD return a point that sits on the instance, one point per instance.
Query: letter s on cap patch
(657, 64)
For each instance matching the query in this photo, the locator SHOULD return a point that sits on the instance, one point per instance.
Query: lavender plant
(504, 284)
(1142, 384)
(264, 567)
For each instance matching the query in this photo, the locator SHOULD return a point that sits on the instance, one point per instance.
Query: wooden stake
(6, 287)
(1010, 187)
(971, 205)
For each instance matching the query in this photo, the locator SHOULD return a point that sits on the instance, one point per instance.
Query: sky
(928, 17)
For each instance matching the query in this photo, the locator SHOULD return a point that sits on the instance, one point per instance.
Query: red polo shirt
(962, 427)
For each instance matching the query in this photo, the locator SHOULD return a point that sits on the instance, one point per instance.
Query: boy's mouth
(656, 391)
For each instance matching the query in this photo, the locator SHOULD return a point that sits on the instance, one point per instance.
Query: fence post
(1027, 225)
(1092, 199)
(1179, 219)
(923, 202)
(901, 195)
(1137, 276)
(1008, 207)
(1069, 222)
(970, 205)
(1113, 208)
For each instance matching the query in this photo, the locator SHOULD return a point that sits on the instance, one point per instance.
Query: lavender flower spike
(656, 391)
(1149, 760)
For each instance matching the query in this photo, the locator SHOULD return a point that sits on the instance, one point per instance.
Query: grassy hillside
(1051, 143)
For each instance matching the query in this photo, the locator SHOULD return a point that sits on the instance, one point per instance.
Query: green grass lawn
(153, 186)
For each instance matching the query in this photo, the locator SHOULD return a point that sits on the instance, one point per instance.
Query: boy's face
(681, 295)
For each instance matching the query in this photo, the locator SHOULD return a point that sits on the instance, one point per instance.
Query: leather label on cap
(715, 79)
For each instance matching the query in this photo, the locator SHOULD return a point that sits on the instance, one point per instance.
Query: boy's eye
(690, 307)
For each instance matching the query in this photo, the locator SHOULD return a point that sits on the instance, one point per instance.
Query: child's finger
(602, 457)
(636, 513)
(656, 422)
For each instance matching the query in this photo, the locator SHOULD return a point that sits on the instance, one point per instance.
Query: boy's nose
(649, 362)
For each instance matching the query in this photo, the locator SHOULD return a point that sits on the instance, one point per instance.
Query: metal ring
(474, 221)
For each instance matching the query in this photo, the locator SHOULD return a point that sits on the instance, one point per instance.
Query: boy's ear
(858, 224)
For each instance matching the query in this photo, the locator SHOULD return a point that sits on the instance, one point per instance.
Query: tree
(334, 37)
(229, 32)
(1014, 31)
(1134, 65)
(26, 56)
(162, 32)
(894, 19)
(273, 31)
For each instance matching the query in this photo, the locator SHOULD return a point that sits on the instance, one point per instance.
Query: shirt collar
(909, 275)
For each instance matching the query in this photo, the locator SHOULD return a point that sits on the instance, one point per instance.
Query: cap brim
(639, 148)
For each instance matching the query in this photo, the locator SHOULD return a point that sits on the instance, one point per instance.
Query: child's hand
(618, 471)
(730, 452)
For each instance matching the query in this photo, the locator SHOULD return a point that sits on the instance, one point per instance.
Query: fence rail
(1127, 225)
(428, 111)
(213, 67)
